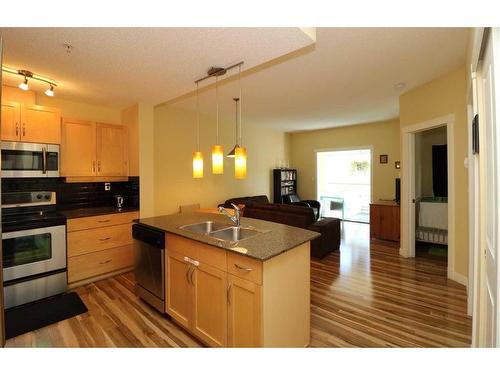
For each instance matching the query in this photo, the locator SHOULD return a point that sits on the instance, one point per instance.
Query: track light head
(24, 85)
(50, 91)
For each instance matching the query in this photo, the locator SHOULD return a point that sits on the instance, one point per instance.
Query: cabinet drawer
(195, 250)
(244, 267)
(101, 221)
(100, 262)
(91, 240)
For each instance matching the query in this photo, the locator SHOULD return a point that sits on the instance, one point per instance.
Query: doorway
(343, 183)
(431, 194)
(409, 196)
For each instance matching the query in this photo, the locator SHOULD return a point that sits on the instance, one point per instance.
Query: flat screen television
(397, 189)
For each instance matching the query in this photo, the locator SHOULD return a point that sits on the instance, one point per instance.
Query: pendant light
(240, 152)
(217, 149)
(236, 145)
(197, 155)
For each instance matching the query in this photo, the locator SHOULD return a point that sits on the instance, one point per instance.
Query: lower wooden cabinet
(244, 313)
(210, 305)
(230, 300)
(179, 292)
(99, 246)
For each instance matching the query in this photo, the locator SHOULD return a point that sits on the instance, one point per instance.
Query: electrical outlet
(107, 186)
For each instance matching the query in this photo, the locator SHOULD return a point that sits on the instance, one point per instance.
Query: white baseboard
(459, 278)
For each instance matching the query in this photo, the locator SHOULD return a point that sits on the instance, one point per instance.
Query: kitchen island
(249, 293)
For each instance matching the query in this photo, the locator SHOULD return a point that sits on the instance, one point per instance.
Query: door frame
(408, 180)
(353, 148)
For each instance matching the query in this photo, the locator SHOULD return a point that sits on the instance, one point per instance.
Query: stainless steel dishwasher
(149, 265)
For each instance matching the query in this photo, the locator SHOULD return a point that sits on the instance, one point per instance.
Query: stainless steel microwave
(21, 159)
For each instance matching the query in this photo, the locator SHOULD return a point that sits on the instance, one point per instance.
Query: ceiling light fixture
(50, 91)
(197, 155)
(217, 149)
(24, 85)
(231, 153)
(28, 74)
(240, 152)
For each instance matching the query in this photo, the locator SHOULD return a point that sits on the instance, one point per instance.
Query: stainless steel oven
(21, 159)
(34, 247)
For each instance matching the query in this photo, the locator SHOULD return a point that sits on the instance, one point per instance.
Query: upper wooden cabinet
(11, 120)
(90, 150)
(112, 150)
(30, 123)
(78, 148)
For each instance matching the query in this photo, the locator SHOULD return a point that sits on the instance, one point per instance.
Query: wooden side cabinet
(385, 221)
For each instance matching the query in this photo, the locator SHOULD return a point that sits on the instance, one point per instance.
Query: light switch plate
(107, 186)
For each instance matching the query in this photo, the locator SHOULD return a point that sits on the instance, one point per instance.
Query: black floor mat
(27, 318)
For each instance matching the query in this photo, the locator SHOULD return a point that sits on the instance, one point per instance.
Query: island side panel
(286, 299)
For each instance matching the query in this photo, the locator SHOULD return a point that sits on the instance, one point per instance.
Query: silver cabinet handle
(104, 239)
(187, 274)
(17, 128)
(106, 261)
(93, 166)
(104, 221)
(243, 268)
(229, 293)
(191, 261)
(24, 129)
(98, 165)
(191, 276)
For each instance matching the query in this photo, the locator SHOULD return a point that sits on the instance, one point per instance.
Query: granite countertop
(95, 211)
(274, 239)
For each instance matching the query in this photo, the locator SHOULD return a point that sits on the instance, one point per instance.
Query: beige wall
(423, 158)
(383, 136)
(444, 96)
(174, 142)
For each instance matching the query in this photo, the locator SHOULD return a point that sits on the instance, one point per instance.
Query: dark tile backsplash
(78, 195)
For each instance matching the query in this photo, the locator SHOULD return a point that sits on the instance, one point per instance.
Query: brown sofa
(256, 199)
(301, 217)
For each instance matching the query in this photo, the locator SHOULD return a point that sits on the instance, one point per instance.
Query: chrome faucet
(234, 218)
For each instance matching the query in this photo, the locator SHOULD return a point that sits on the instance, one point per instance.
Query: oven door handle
(44, 160)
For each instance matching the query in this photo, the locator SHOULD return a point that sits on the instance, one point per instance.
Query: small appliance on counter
(149, 265)
(34, 247)
(119, 201)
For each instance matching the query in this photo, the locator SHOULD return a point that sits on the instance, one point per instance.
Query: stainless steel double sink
(220, 231)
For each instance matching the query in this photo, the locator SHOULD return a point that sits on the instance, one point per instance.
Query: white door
(490, 292)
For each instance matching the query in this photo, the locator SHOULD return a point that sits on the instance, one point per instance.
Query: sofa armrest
(330, 237)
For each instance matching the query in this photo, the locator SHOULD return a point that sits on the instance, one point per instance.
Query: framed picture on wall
(384, 159)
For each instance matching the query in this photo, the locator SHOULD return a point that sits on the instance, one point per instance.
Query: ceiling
(120, 66)
(347, 77)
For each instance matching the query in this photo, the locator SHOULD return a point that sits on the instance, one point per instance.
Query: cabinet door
(40, 124)
(210, 305)
(244, 313)
(78, 149)
(179, 288)
(11, 117)
(374, 221)
(112, 150)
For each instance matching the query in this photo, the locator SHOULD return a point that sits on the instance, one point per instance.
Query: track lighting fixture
(30, 75)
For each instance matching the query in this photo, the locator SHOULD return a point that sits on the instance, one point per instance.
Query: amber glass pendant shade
(240, 163)
(217, 159)
(197, 164)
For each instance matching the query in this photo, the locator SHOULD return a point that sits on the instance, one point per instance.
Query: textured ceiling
(347, 77)
(120, 66)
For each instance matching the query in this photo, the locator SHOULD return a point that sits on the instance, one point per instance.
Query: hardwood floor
(362, 297)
